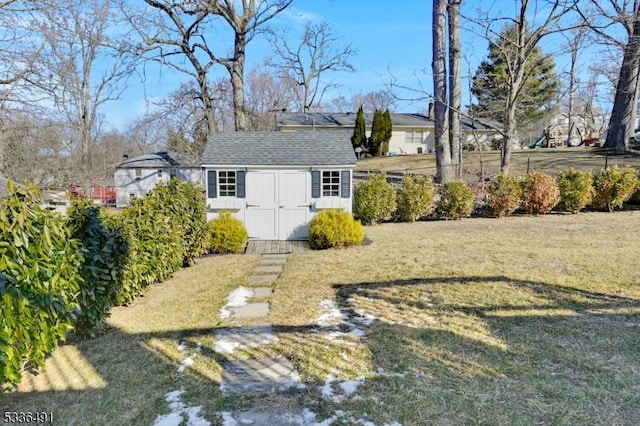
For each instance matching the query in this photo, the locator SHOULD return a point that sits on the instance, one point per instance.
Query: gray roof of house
(348, 120)
(157, 160)
(301, 148)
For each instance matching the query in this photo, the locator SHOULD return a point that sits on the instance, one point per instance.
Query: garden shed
(275, 182)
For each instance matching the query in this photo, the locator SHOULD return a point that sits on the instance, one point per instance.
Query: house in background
(411, 133)
(135, 177)
(276, 182)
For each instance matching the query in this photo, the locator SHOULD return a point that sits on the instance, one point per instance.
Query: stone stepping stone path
(259, 374)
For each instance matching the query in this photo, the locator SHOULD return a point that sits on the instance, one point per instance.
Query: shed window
(414, 136)
(330, 183)
(159, 173)
(138, 174)
(227, 183)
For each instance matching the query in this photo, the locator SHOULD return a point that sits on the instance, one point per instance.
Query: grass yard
(521, 320)
(551, 161)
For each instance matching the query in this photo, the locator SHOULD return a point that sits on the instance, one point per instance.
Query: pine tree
(359, 138)
(387, 131)
(491, 82)
(377, 134)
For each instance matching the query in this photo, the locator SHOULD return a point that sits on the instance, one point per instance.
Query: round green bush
(226, 234)
(374, 200)
(504, 195)
(540, 193)
(456, 200)
(414, 198)
(576, 190)
(334, 228)
(614, 186)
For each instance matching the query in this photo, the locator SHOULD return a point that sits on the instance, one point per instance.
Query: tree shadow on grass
(477, 346)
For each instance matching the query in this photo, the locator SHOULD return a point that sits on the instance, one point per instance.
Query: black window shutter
(212, 185)
(315, 184)
(345, 184)
(241, 187)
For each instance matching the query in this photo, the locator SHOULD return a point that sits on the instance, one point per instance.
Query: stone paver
(270, 269)
(231, 339)
(275, 261)
(262, 291)
(250, 310)
(258, 375)
(262, 278)
(274, 256)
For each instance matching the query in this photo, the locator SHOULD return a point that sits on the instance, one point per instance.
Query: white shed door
(294, 198)
(261, 217)
(278, 204)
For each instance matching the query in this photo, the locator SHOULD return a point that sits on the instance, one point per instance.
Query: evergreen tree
(377, 134)
(359, 138)
(493, 78)
(387, 131)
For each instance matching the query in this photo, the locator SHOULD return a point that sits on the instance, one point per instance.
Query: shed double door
(278, 204)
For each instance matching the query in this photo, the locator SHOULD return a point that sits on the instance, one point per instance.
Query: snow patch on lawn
(179, 410)
(185, 364)
(236, 299)
(333, 321)
(337, 390)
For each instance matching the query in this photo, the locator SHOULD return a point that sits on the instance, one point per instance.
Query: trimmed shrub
(374, 200)
(185, 204)
(614, 186)
(540, 193)
(576, 190)
(39, 282)
(226, 234)
(334, 228)
(105, 254)
(155, 247)
(414, 198)
(456, 200)
(504, 195)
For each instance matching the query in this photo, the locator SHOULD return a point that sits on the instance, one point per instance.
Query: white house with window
(135, 177)
(276, 182)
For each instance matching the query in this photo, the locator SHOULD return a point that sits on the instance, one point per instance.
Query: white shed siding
(278, 203)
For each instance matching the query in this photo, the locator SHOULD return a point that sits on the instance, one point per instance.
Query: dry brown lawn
(521, 320)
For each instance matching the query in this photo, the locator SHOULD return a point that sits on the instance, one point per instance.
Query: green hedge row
(59, 274)
(376, 200)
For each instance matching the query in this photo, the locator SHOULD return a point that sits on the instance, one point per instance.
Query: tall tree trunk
(237, 82)
(445, 172)
(622, 118)
(455, 90)
(207, 101)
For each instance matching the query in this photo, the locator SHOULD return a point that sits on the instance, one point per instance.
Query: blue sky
(389, 39)
(392, 38)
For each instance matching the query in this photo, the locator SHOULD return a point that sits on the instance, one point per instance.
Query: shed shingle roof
(303, 148)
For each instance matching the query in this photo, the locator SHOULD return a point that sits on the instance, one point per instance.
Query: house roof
(302, 148)
(347, 119)
(158, 160)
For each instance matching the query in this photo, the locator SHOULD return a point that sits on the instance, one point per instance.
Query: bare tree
(455, 89)
(81, 66)
(174, 31)
(317, 54)
(18, 53)
(518, 50)
(600, 16)
(245, 21)
(575, 43)
(267, 94)
(445, 171)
